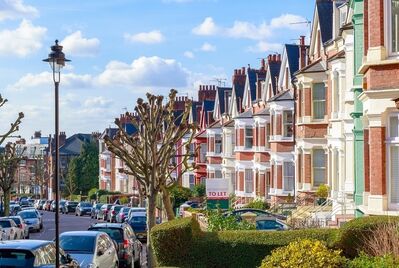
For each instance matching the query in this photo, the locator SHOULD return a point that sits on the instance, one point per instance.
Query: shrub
(179, 194)
(124, 200)
(92, 194)
(304, 253)
(219, 222)
(171, 241)
(322, 191)
(354, 234)
(199, 190)
(258, 204)
(365, 261)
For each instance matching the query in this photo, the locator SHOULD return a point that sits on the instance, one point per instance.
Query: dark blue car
(138, 222)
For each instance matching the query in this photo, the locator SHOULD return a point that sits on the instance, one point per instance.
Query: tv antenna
(220, 81)
(308, 24)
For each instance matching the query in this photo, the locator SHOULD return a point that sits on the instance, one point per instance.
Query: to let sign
(217, 188)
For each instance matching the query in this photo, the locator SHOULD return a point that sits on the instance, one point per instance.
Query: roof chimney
(302, 52)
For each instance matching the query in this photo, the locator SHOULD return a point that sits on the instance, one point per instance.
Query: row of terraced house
(325, 111)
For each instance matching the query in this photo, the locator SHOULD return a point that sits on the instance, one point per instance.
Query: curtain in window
(248, 138)
(191, 181)
(393, 126)
(218, 144)
(319, 100)
(394, 174)
(218, 174)
(395, 25)
(288, 171)
(319, 168)
(249, 183)
(287, 120)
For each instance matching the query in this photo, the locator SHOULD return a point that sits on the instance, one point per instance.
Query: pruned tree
(147, 154)
(14, 126)
(39, 173)
(9, 161)
(71, 177)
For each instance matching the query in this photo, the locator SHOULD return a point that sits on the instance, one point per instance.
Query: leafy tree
(148, 153)
(199, 190)
(88, 168)
(92, 194)
(180, 194)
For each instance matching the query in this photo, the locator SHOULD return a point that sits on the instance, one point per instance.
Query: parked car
(69, 206)
(266, 223)
(136, 209)
(90, 248)
(11, 229)
(113, 212)
(83, 208)
(138, 222)
(21, 224)
(32, 219)
(60, 205)
(47, 205)
(258, 212)
(39, 203)
(129, 247)
(14, 209)
(95, 210)
(24, 202)
(122, 215)
(103, 212)
(31, 201)
(33, 253)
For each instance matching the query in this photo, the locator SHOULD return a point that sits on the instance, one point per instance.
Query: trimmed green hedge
(352, 234)
(172, 241)
(176, 244)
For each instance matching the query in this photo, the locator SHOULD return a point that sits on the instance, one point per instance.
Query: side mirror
(100, 253)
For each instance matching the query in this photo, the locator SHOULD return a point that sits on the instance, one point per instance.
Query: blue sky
(121, 49)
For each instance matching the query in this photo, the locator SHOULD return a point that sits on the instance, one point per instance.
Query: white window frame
(219, 138)
(286, 125)
(248, 180)
(292, 177)
(246, 136)
(390, 143)
(318, 101)
(388, 133)
(388, 27)
(322, 168)
(191, 184)
(336, 95)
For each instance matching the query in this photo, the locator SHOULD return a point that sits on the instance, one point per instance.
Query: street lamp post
(57, 60)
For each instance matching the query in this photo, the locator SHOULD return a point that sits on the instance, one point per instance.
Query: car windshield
(5, 224)
(73, 203)
(138, 220)
(28, 214)
(125, 210)
(117, 208)
(85, 205)
(268, 225)
(78, 243)
(115, 233)
(16, 258)
(98, 206)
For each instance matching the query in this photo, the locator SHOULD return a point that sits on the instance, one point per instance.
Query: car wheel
(41, 226)
(27, 237)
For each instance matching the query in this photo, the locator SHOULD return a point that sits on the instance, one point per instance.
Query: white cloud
(99, 102)
(75, 44)
(289, 21)
(189, 54)
(144, 72)
(24, 40)
(152, 37)
(16, 9)
(263, 46)
(208, 47)
(207, 27)
(243, 29)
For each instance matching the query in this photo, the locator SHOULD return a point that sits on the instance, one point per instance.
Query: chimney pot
(279, 57)
(235, 72)
(243, 70)
(263, 63)
(302, 40)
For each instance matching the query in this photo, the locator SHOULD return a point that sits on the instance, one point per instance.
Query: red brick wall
(282, 146)
(365, 27)
(242, 134)
(376, 77)
(211, 144)
(262, 184)
(278, 124)
(376, 22)
(245, 156)
(377, 164)
(261, 157)
(241, 181)
(299, 166)
(312, 131)
(279, 177)
(262, 136)
(308, 168)
(255, 136)
(366, 161)
(308, 102)
(214, 160)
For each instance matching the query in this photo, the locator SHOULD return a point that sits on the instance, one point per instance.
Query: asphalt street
(68, 222)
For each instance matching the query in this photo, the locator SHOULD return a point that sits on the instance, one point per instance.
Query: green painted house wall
(358, 23)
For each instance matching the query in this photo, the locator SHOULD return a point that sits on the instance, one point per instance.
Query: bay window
(393, 147)
(218, 144)
(393, 25)
(249, 183)
(288, 176)
(287, 124)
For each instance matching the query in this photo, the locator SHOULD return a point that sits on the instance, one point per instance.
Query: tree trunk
(168, 204)
(151, 200)
(6, 203)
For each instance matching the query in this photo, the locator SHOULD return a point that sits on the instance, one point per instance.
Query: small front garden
(364, 242)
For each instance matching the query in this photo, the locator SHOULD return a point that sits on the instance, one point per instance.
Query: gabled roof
(246, 114)
(207, 106)
(314, 67)
(292, 57)
(274, 69)
(325, 14)
(282, 96)
(215, 125)
(262, 112)
(73, 144)
(111, 132)
(220, 91)
(252, 76)
(239, 93)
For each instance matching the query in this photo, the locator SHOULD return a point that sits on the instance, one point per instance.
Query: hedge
(172, 241)
(181, 243)
(352, 234)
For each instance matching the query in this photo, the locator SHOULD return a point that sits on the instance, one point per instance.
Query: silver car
(32, 219)
(90, 248)
(21, 224)
(11, 229)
